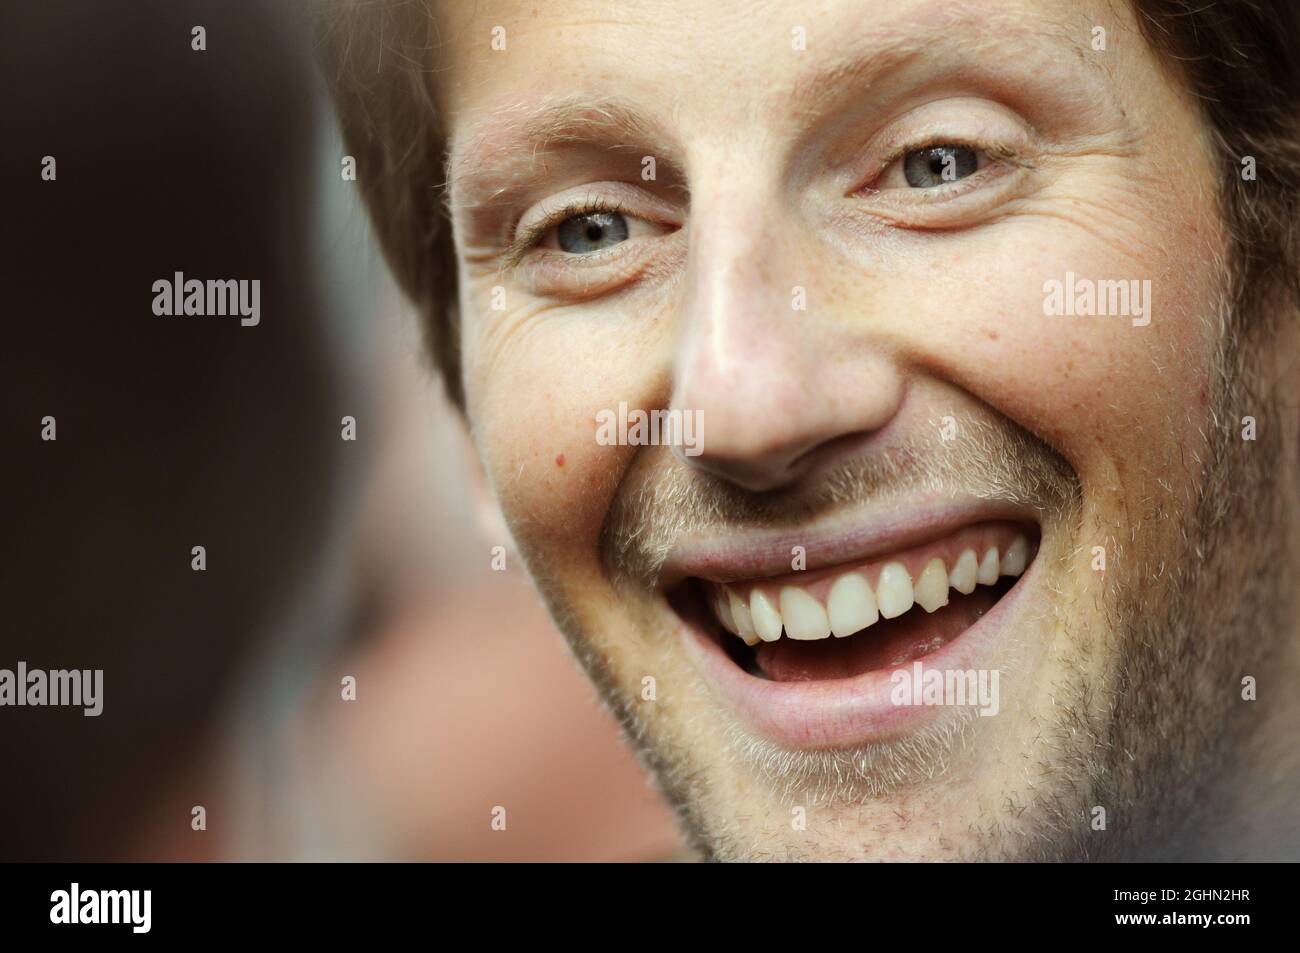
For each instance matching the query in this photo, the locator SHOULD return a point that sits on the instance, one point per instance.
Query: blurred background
(326, 558)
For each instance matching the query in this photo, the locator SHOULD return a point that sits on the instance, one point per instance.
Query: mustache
(662, 500)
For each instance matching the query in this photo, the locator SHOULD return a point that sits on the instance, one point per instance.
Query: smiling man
(987, 312)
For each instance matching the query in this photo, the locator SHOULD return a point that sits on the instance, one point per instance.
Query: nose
(781, 390)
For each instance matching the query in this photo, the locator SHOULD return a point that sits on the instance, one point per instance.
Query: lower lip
(846, 712)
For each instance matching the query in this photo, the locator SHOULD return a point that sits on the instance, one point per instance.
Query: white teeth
(932, 586)
(851, 605)
(804, 617)
(894, 591)
(767, 621)
(962, 577)
(740, 615)
(1013, 563)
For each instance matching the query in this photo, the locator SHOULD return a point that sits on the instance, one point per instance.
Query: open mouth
(843, 621)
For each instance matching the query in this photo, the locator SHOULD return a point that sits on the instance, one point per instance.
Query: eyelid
(990, 126)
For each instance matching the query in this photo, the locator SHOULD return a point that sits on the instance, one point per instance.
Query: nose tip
(785, 400)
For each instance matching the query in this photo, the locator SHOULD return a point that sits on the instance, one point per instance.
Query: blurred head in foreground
(132, 438)
(895, 412)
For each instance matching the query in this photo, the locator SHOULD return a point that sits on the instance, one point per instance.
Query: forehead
(512, 76)
(731, 42)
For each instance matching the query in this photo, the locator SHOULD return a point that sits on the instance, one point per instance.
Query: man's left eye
(934, 166)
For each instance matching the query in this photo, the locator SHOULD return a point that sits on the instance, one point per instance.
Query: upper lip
(877, 530)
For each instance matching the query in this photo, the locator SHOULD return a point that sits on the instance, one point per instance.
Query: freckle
(991, 335)
(559, 461)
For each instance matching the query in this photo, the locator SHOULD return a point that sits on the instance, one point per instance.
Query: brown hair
(1236, 57)
(378, 57)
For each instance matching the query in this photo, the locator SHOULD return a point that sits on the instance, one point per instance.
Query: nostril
(757, 476)
(771, 469)
(827, 452)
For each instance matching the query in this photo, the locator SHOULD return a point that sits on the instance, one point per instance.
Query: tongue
(888, 643)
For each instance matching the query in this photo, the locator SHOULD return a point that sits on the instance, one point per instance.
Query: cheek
(1099, 389)
(535, 381)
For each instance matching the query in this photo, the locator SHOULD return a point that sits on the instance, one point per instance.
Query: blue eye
(936, 165)
(583, 234)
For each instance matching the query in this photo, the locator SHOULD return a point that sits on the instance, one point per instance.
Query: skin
(775, 169)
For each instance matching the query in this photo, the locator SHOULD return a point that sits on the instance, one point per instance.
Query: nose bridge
(737, 264)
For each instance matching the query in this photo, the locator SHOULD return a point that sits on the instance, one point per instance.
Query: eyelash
(527, 239)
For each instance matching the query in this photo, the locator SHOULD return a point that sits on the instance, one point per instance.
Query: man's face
(854, 244)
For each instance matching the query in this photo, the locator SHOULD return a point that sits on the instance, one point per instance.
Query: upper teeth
(853, 604)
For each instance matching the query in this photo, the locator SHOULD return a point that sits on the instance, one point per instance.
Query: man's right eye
(590, 232)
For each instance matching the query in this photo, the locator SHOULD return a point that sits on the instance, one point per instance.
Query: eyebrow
(516, 134)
